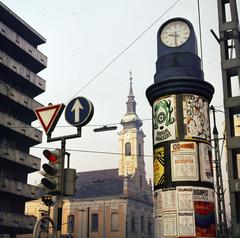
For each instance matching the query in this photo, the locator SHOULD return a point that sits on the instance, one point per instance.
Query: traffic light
(52, 172)
(70, 177)
(47, 200)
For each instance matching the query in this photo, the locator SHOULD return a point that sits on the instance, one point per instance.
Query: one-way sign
(79, 111)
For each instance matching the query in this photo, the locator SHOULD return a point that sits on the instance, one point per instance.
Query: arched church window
(140, 181)
(128, 148)
(139, 149)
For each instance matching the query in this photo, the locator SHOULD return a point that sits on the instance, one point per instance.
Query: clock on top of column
(176, 35)
(177, 51)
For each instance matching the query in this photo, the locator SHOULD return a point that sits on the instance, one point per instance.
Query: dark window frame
(140, 181)
(128, 148)
(133, 228)
(70, 223)
(142, 223)
(94, 222)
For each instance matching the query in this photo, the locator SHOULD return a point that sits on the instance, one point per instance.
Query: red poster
(205, 219)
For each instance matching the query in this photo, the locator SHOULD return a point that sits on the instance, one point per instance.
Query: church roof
(99, 183)
(102, 184)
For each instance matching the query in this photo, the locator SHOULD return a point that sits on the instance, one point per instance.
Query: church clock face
(175, 33)
(127, 135)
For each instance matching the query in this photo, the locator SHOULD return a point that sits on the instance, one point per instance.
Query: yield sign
(49, 116)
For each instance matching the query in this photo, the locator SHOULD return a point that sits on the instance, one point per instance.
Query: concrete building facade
(20, 61)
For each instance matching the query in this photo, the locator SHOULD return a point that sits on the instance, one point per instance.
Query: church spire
(130, 119)
(130, 90)
(131, 103)
(131, 140)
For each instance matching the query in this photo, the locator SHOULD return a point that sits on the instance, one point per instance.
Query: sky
(83, 38)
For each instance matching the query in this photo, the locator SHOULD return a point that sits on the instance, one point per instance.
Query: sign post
(79, 111)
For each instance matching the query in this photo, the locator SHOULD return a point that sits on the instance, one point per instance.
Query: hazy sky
(85, 36)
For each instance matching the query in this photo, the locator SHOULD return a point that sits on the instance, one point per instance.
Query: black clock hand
(175, 35)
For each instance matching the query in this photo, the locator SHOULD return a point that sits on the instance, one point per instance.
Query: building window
(140, 181)
(132, 223)
(70, 222)
(142, 223)
(94, 222)
(128, 148)
(139, 149)
(149, 227)
(114, 221)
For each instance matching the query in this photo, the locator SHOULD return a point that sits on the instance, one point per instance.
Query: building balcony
(15, 45)
(19, 132)
(10, 222)
(19, 103)
(20, 76)
(20, 158)
(20, 26)
(19, 97)
(29, 192)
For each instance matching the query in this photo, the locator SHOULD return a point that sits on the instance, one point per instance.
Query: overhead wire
(102, 70)
(113, 60)
(124, 50)
(89, 151)
(90, 125)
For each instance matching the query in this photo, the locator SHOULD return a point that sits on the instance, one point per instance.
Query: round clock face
(127, 135)
(175, 33)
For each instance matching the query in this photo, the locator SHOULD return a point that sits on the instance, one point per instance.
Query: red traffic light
(52, 156)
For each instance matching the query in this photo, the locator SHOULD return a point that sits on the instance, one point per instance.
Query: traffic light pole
(57, 214)
(222, 220)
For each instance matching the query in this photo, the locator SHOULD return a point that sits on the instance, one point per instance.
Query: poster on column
(164, 119)
(186, 224)
(158, 213)
(185, 198)
(169, 199)
(184, 161)
(196, 117)
(204, 206)
(169, 224)
(158, 226)
(158, 208)
(206, 164)
(158, 166)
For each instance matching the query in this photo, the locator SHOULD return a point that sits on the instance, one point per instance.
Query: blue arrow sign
(79, 111)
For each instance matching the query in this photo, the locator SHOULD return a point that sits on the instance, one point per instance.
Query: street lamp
(105, 128)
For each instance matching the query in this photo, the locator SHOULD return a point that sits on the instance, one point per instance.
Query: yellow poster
(158, 166)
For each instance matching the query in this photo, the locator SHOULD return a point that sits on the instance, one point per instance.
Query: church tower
(131, 140)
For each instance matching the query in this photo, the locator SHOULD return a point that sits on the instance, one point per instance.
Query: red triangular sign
(49, 116)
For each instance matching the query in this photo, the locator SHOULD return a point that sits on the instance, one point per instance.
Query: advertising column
(184, 197)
